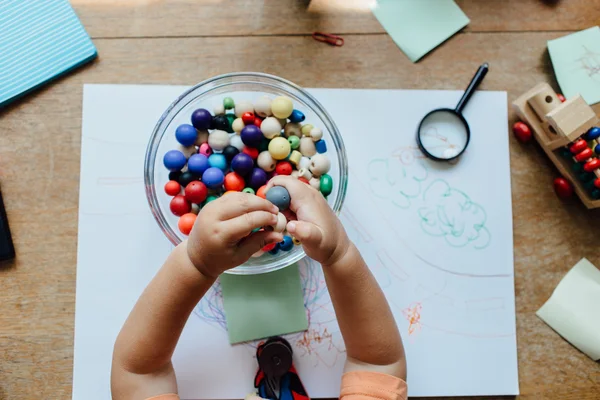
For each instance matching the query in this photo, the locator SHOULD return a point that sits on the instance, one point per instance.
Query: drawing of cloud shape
(451, 213)
(390, 179)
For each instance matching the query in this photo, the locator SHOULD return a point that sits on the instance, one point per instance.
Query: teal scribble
(390, 179)
(450, 213)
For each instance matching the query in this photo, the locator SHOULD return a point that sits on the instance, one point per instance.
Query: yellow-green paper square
(263, 305)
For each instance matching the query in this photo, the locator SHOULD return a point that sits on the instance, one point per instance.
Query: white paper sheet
(451, 290)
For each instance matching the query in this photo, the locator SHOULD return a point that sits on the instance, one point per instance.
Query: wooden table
(186, 41)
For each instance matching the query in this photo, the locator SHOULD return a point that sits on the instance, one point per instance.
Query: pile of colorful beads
(582, 155)
(240, 147)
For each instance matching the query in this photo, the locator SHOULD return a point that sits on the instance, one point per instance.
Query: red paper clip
(328, 38)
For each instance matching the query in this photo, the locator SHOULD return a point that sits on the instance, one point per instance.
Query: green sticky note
(263, 305)
(576, 61)
(419, 26)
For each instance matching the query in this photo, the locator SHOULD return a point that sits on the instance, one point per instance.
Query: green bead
(577, 167)
(294, 142)
(586, 176)
(326, 185)
(248, 190)
(589, 185)
(210, 198)
(565, 153)
(264, 145)
(230, 119)
(255, 230)
(595, 194)
(228, 103)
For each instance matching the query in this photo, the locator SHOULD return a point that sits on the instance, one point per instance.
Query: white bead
(304, 163)
(319, 164)
(242, 107)
(316, 134)
(315, 183)
(195, 208)
(202, 138)
(307, 147)
(236, 141)
(295, 174)
(219, 109)
(237, 125)
(265, 161)
(187, 150)
(270, 127)
(262, 107)
(218, 140)
(304, 173)
(292, 129)
(281, 223)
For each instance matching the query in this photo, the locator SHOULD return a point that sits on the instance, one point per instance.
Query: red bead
(257, 121)
(269, 247)
(584, 154)
(284, 168)
(591, 165)
(196, 192)
(172, 188)
(303, 179)
(561, 98)
(248, 118)
(234, 181)
(578, 146)
(597, 183)
(179, 205)
(563, 188)
(251, 151)
(522, 132)
(186, 223)
(262, 191)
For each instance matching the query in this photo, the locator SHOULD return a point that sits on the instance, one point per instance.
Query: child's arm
(221, 239)
(364, 316)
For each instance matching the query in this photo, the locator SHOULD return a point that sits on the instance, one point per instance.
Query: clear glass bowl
(208, 94)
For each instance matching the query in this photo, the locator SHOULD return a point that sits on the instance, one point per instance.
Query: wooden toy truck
(568, 133)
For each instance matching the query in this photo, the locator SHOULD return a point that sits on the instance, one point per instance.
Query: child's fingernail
(291, 226)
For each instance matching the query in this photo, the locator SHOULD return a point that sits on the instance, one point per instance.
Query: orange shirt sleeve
(363, 385)
(165, 397)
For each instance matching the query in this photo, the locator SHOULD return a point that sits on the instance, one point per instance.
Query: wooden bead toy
(593, 133)
(186, 177)
(186, 223)
(187, 151)
(221, 122)
(198, 163)
(270, 127)
(321, 146)
(251, 135)
(522, 132)
(238, 125)
(316, 134)
(186, 134)
(179, 205)
(561, 97)
(242, 164)
(219, 109)
(306, 128)
(174, 160)
(213, 177)
(251, 151)
(262, 106)
(218, 140)
(284, 168)
(228, 103)
(563, 188)
(326, 185)
(304, 163)
(292, 129)
(257, 178)
(296, 116)
(270, 247)
(201, 138)
(319, 164)
(172, 188)
(286, 244)
(258, 121)
(305, 173)
(282, 107)
(174, 175)
(262, 192)
(236, 141)
(195, 209)
(279, 148)
(279, 196)
(265, 161)
(591, 165)
(196, 192)
(279, 227)
(248, 190)
(243, 106)
(294, 142)
(230, 119)
(205, 149)
(315, 183)
(295, 241)
(248, 118)
(295, 157)
(201, 119)
(307, 147)
(218, 160)
(578, 146)
(234, 181)
(584, 155)
(229, 152)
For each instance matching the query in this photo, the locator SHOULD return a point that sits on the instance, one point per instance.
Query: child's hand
(318, 228)
(222, 236)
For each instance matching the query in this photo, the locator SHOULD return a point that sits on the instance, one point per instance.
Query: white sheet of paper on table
(452, 294)
(573, 310)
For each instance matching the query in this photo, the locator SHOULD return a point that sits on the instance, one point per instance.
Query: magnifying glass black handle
(479, 75)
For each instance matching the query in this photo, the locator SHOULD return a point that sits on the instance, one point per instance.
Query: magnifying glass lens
(443, 134)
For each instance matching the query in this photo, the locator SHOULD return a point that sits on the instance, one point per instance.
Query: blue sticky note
(39, 41)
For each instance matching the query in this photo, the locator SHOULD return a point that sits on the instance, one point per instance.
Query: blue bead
(213, 177)
(286, 244)
(186, 134)
(274, 251)
(321, 146)
(593, 133)
(198, 163)
(218, 160)
(279, 196)
(174, 160)
(597, 149)
(297, 116)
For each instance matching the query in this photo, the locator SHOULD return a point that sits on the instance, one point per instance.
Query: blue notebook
(39, 41)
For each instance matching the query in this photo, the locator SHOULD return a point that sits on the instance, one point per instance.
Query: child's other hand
(222, 236)
(318, 228)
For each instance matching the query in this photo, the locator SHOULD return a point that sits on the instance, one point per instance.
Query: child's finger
(236, 204)
(239, 227)
(257, 241)
(306, 232)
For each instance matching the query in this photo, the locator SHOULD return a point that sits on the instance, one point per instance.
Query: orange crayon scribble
(413, 314)
(312, 338)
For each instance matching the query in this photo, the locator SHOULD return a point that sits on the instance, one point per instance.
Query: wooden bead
(282, 107)
(315, 183)
(563, 188)
(307, 147)
(219, 109)
(295, 174)
(262, 107)
(279, 148)
(294, 142)
(234, 182)
(326, 185)
(295, 158)
(266, 162)
(305, 173)
(205, 149)
(243, 107)
(187, 151)
(295, 241)
(284, 168)
(321, 146)
(292, 129)
(320, 164)
(228, 103)
(316, 134)
(297, 116)
(584, 154)
(281, 223)
(578, 146)
(249, 190)
(522, 132)
(248, 118)
(270, 127)
(279, 196)
(304, 162)
(237, 142)
(262, 192)
(306, 128)
(591, 165)
(238, 125)
(186, 223)
(592, 133)
(218, 140)
(202, 138)
(195, 208)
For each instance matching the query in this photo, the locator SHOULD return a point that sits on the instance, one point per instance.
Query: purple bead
(252, 136)
(201, 119)
(198, 163)
(213, 177)
(174, 160)
(186, 134)
(242, 164)
(257, 178)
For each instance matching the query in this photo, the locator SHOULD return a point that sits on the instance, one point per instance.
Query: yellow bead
(237, 125)
(306, 128)
(279, 148)
(282, 107)
(295, 158)
(295, 241)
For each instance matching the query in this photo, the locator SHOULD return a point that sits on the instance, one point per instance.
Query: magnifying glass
(444, 134)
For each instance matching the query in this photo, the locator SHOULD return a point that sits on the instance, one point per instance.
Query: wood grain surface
(40, 138)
